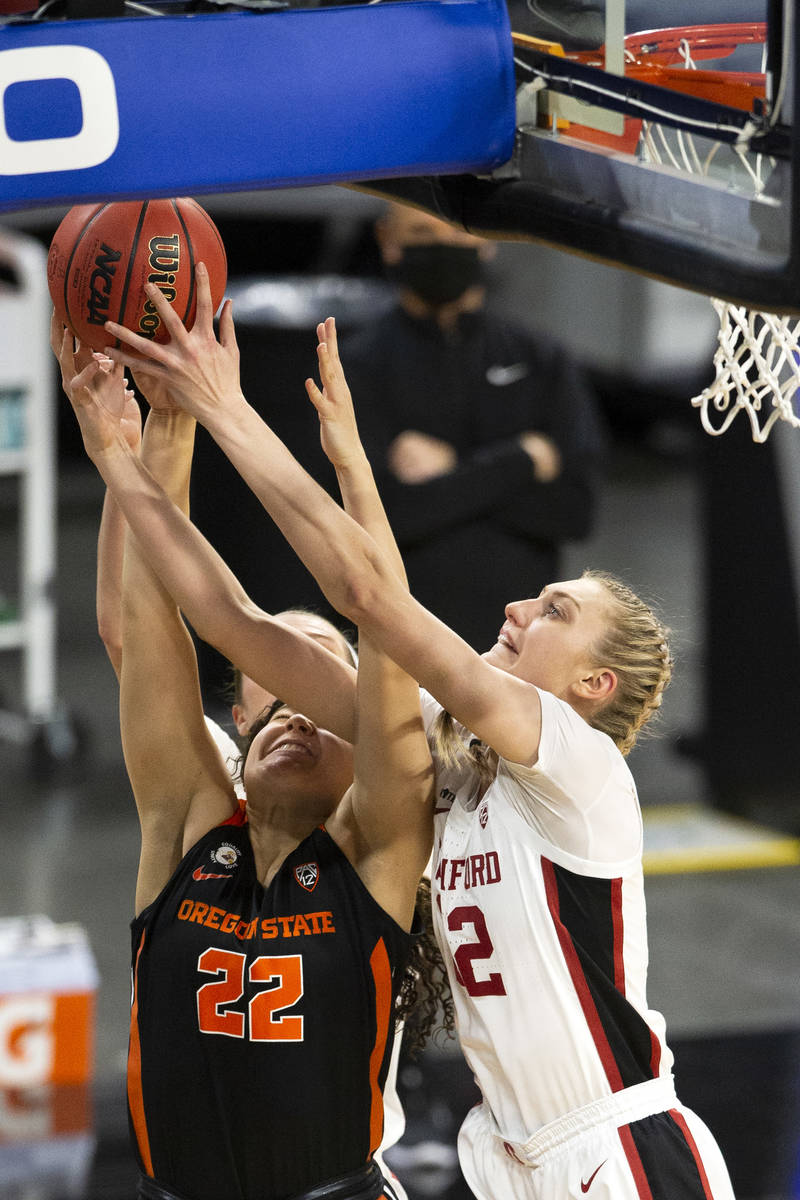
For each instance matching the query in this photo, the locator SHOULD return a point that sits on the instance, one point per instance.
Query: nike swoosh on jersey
(500, 376)
(198, 875)
(585, 1186)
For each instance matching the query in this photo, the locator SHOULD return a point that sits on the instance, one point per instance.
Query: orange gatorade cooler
(48, 984)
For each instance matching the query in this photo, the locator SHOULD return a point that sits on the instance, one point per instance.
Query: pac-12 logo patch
(307, 875)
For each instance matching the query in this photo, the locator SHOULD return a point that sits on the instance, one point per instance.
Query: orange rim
(657, 56)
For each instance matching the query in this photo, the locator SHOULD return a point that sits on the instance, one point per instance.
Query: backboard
(657, 135)
(673, 152)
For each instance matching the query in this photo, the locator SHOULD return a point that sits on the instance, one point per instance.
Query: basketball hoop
(757, 360)
(757, 365)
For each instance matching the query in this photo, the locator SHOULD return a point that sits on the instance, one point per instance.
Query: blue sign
(186, 105)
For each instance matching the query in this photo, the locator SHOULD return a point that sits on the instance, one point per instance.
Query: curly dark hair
(425, 1002)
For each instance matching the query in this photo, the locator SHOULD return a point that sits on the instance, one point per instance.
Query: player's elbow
(359, 586)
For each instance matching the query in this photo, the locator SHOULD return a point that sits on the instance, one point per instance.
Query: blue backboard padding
(234, 101)
(42, 108)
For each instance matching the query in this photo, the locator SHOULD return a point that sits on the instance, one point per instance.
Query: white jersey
(539, 898)
(230, 753)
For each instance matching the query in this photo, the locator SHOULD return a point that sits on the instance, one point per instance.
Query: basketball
(102, 255)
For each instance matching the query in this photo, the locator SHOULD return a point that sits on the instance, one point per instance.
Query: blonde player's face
(549, 640)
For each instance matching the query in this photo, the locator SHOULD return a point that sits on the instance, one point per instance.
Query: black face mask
(438, 273)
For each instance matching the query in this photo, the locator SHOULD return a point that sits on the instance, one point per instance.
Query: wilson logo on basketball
(164, 263)
(307, 875)
(157, 241)
(101, 283)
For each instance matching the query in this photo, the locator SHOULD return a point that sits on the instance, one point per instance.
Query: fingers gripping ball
(102, 255)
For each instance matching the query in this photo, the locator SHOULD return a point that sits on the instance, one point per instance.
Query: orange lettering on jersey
(213, 918)
(293, 925)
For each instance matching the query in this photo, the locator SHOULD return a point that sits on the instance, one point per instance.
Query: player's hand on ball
(200, 371)
(155, 389)
(81, 355)
(100, 398)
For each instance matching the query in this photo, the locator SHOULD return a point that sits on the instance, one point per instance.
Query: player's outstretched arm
(342, 445)
(281, 659)
(386, 822)
(353, 572)
(203, 373)
(110, 551)
(111, 535)
(170, 759)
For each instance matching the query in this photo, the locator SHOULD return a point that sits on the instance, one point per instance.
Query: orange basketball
(102, 255)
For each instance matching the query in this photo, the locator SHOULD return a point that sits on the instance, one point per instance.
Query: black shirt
(262, 1021)
(488, 532)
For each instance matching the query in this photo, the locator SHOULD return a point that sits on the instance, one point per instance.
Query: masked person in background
(485, 441)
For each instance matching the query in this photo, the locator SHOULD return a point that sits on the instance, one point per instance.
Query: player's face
(291, 754)
(549, 640)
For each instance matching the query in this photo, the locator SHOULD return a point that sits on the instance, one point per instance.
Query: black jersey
(262, 1021)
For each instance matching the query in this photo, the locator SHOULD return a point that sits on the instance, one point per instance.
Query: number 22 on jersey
(264, 1018)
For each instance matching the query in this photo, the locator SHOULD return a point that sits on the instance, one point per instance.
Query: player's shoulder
(567, 737)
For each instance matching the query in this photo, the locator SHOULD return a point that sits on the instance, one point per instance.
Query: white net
(757, 361)
(757, 364)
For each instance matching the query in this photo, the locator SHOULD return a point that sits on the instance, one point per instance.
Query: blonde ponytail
(636, 647)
